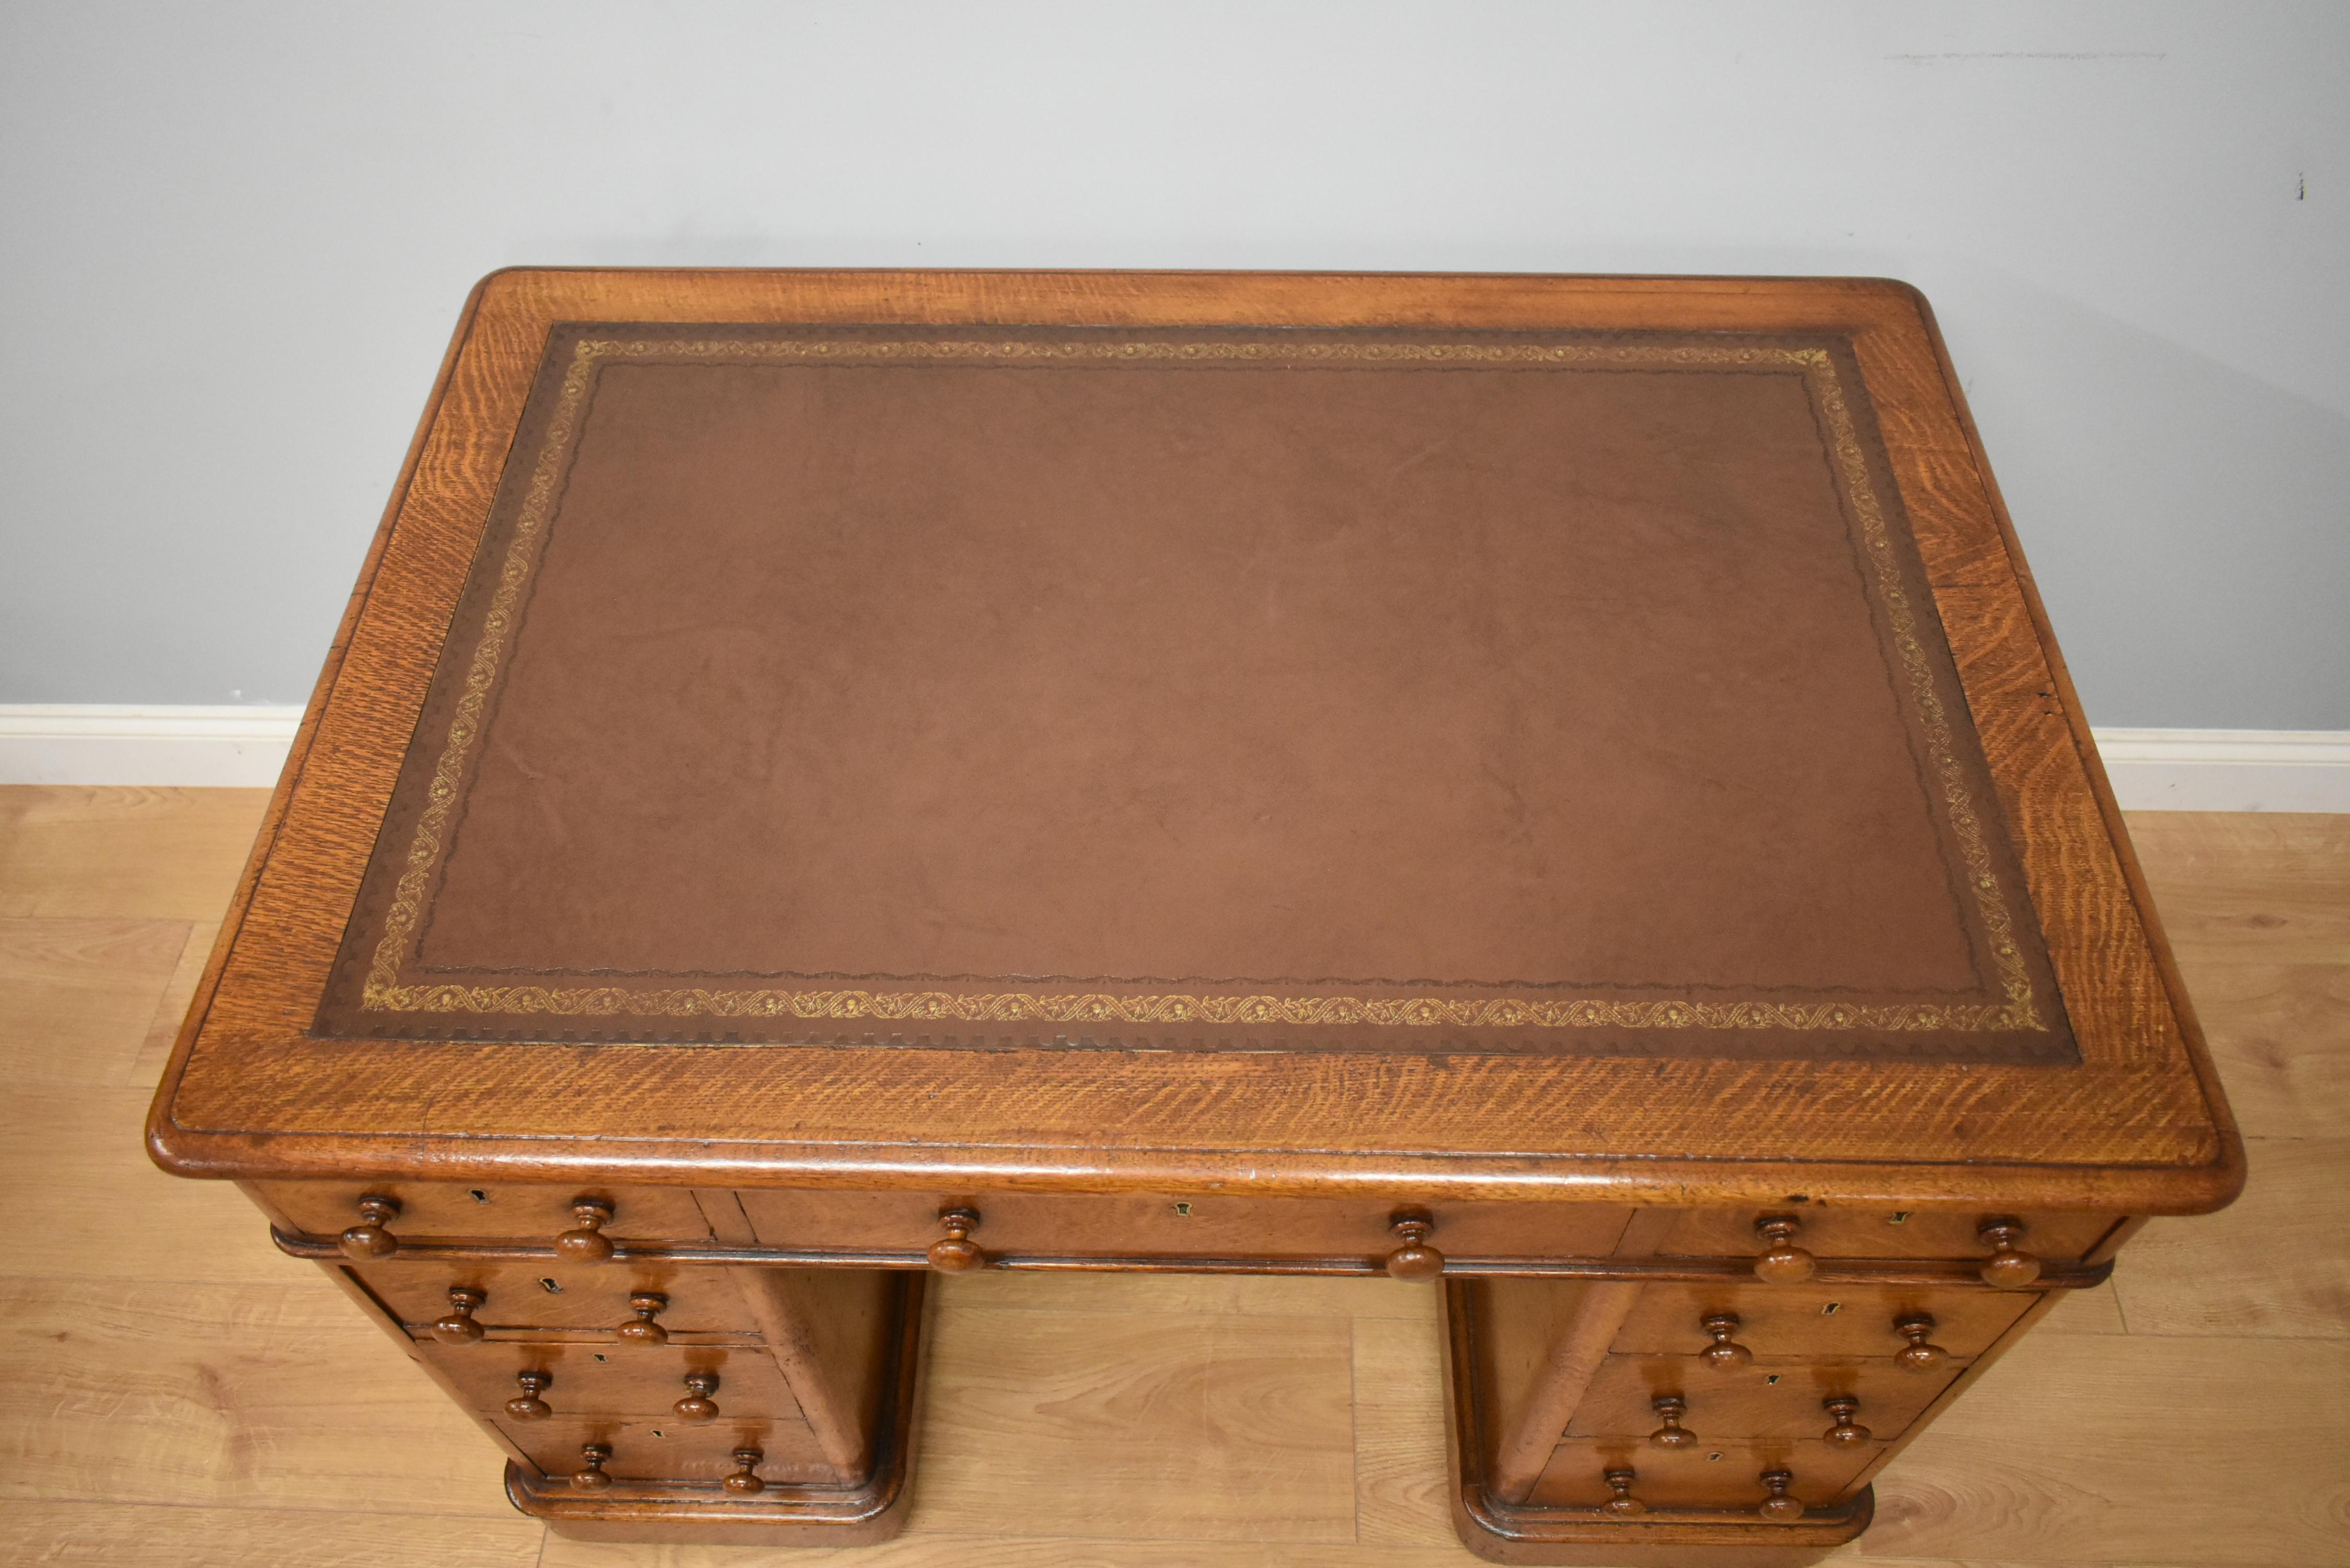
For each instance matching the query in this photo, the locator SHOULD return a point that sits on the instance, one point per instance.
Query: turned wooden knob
(459, 1327)
(697, 1406)
(368, 1239)
(1671, 1408)
(527, 1406)
(641, 1329)
(955, 1252)
(1917, 1355)
(1781, 1263)
(745, 1482)
(2008, 1267)
(1779, 1508)
(1844, 1408)
(1620, 1501)
(1413, 1261)
(1725, 1354)
(590, 1476)
(586, 1243)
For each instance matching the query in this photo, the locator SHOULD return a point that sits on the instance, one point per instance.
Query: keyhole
(1184, 1210)
(600, 1357)
(1900, 1216)
(549, 1286)
(1830, 1310)
(478, 1195)
(1768, 1381)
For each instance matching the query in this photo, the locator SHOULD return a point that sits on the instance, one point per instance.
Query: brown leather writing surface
(1473, 692)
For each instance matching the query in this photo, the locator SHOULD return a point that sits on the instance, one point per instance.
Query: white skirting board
(2228, 770)
(2152, 770)
(100, 744)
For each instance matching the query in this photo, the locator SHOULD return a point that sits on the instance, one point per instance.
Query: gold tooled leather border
(385, 992)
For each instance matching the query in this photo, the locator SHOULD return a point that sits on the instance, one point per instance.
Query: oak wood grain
(2139, 1127)
(828, 1333)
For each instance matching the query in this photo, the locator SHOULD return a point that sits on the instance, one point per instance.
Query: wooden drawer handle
(2008, 1267)
(1919, 1355)
(1779, 1508)
(745, 1482)
(697, 1406)
(955, 1252)
(368, 1239)
(1781, 1263)
(1414, 1259)
(1847, 1431)
(1620, 1501)
(1725, 1354)
(527, 1406)
(1670, 1407)
(590, 1476)
(459, 1327)
(641, 1329)
(586, 1243)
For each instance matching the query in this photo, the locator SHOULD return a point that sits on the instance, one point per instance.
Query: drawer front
(614, 1379)
(1762, 1399)
(1806, 1321)
(1847, 1232)
(584, 1297)
(668, 1450)
(526, 1215)
(1104, 1225)
(1705, 1475)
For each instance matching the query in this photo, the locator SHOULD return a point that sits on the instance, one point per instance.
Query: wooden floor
(175, 1392)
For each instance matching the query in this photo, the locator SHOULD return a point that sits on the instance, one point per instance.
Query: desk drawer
(590, 1298)
(1783, 1399)
(1805, 1322)
(608, 1379)
(1141, 1225)
(527, 1215)
(1706, 1474)
(1888, 1233)
(667, 1450)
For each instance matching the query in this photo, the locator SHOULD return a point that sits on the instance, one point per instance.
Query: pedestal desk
(1557, 787)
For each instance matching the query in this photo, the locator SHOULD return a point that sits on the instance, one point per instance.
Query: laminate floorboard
(2280, 1268)
(212, 1396)
(77, 996)
(112, 1534)
(181, 1393)
(124, 853)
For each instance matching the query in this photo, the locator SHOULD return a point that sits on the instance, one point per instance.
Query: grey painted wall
(234, 238)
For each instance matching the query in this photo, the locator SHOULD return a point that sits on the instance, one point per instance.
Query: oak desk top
(1528, 737)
